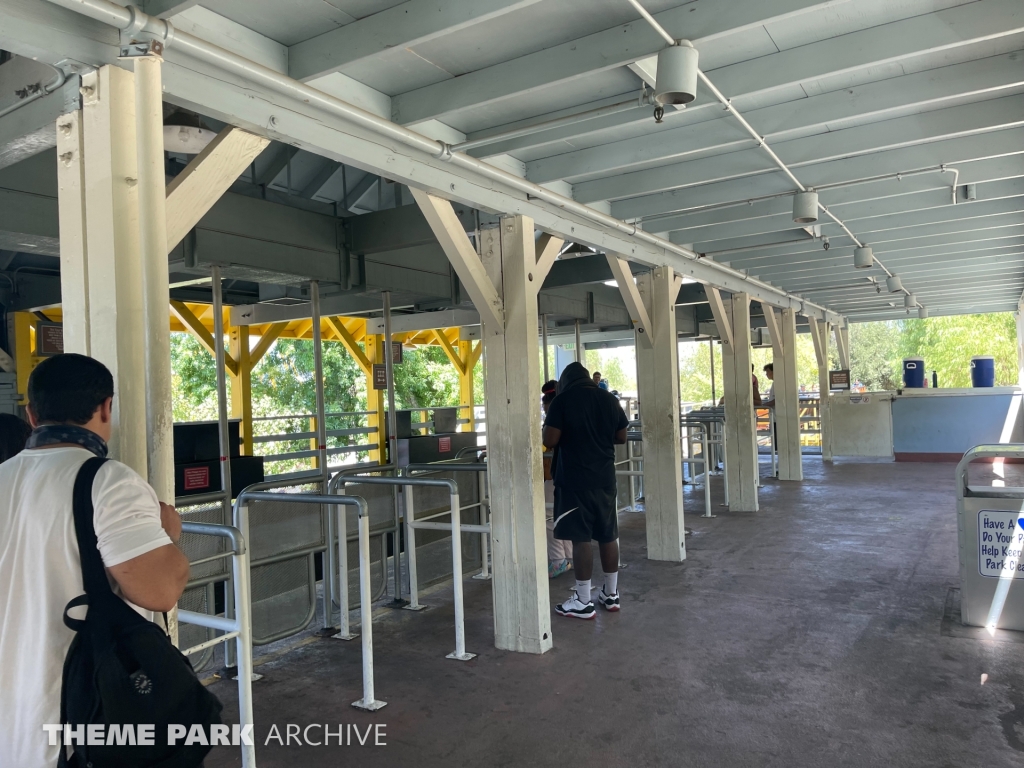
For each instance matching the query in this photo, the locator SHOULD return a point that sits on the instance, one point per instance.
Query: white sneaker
(575, 608)
(608, 602)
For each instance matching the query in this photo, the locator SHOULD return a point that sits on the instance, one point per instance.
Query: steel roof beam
(859, 200)
(943, 30)
(950, 151)
(870, 103)
(614, 47)
(402, 26)
(870, 139)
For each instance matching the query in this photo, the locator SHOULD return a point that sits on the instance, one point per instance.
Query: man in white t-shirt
(40, 570)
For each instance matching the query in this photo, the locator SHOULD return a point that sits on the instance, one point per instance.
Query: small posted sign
(49, 339)
(839, 380)
(380, 376)
(444, 445)
(396, 352)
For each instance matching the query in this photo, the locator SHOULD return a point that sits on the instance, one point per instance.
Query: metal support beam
(657, 364)
(522, 614)
(402, 26)
(633, 300)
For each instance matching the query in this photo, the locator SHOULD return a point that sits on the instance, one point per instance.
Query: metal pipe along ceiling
(134, 22)
(761, 141)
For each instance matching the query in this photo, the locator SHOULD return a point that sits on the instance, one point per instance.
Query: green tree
(948, 343)
(874, 354)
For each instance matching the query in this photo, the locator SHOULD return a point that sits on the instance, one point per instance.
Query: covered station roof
(904, 115)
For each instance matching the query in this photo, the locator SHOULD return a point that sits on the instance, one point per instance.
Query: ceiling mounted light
(805, 207)
(677, 74)
(185, 133)
(910, 301)
(894, 284)
(863, 257)
(922, 312)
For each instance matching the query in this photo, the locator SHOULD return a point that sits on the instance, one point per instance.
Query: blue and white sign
(1000, 541)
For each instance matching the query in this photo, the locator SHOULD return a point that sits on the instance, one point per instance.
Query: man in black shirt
(583, 425)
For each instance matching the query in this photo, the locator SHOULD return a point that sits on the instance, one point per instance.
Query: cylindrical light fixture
(910, 301)
(894, 284)
(863, 257)
(805, 207)
(677, 74)
(185, 133)
(922, 312)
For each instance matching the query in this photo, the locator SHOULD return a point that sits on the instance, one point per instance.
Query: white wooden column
(843, 347)
(820, 333)
(740, 423)
(782, 327)
(149, 129)
(658, 383)
(101, 271)
(522, 609)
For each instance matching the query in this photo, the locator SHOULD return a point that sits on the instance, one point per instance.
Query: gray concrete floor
(807, 634)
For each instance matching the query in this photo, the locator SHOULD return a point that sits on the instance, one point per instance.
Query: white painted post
(657, 363)
(101, 269)
(782, 326)
(149, 129)
(522, 613)
(741, 467)
(820, 333)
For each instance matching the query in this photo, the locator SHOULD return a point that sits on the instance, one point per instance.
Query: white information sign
(1000, 541)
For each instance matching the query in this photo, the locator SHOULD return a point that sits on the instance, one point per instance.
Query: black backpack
(122, 669)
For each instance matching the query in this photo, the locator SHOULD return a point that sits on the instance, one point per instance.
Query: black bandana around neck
(52, 434)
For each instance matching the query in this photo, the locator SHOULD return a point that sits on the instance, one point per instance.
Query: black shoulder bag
(122, 670)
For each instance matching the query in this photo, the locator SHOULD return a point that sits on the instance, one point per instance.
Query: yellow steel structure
(242, 356)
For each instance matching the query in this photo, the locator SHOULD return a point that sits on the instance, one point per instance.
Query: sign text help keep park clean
(1000, 541)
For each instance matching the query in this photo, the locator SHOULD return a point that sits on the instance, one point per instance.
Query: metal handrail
(238, 628)
(241, 512)
(456, 528)
(989, 451)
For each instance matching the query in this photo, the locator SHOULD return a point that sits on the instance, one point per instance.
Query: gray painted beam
(164, 9)
(953, 151)
(31, 128)
(614, 47)
(276, 162)
(870, 103)
(402, 26)
(361, 188)
(868, 229)
(856, 201)
(939, 124)
(322, 177)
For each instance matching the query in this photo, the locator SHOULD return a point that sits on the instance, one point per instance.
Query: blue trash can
(913, 372)
(983, 371)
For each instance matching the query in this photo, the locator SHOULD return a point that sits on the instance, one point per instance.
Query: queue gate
(990, 521)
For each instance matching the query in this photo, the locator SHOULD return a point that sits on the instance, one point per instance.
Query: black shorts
(586, 515)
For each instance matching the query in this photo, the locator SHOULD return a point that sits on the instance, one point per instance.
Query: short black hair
(14, 433)
(596, 373)
(770, 367)
(67, 389)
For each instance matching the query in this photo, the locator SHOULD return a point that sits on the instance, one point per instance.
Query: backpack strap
(94, 576)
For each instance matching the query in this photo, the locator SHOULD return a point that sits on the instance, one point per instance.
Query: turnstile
(991, 527)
